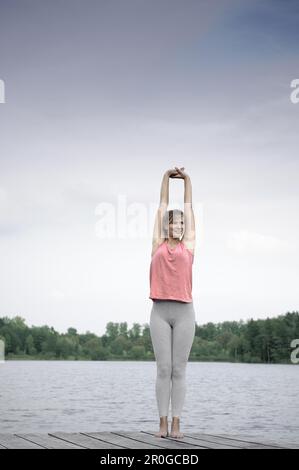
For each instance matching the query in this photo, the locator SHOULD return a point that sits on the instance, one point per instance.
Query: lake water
(254, 400)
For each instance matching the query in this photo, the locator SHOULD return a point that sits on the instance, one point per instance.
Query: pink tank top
(171, 273)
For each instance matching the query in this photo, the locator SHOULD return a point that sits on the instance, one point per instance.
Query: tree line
(257, 341)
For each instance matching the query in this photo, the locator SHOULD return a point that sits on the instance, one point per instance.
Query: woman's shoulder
(188, 246)
(157, 245)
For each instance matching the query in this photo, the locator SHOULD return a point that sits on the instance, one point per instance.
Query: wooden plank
(230, 443)
(249, 442)
(85, 441)
(134, 440)
(121, 440)
(217, 440)
(163, 442)
(48, 442)
(11, 441)
(271, 442)
(199, 443)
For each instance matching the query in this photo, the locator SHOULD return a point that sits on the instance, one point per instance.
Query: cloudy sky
(101, 98)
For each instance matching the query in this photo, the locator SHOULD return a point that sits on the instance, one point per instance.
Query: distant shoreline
(82, 359)
(267, 341)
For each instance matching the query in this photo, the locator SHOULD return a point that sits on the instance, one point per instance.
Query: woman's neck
(173, 241)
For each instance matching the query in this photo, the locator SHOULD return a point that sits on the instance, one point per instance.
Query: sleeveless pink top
(171, 273)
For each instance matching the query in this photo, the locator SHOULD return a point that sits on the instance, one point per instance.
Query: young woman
(172, 319)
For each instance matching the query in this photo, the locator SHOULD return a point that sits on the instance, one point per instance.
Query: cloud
(57, 294)
(245, 242)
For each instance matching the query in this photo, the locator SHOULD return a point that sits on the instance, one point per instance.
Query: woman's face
(176, 228)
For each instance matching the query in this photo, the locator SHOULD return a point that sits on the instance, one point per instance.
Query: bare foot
(176, 434)
(163, 432)
(175, 429)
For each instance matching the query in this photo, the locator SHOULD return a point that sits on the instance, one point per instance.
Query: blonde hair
(168, 218)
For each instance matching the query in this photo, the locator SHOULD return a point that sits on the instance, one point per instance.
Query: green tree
(29, 345)
(137, 352)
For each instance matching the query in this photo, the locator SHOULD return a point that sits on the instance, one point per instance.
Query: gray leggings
(172, 329)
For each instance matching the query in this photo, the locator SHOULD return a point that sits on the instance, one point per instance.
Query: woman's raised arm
(164, 200)
(189, 236)
(158, 235)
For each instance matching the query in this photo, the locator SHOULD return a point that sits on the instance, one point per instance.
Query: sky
(101, 98)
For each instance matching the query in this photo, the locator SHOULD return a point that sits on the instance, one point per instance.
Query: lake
(251, 400)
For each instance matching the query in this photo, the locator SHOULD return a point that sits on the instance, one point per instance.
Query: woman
(172, 320)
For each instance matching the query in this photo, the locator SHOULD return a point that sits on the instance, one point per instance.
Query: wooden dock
(132, 440)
